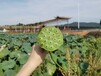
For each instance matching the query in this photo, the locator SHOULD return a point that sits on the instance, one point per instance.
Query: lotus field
(78, 56)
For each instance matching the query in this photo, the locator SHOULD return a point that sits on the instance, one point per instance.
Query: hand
(35, 59)
(37, 53)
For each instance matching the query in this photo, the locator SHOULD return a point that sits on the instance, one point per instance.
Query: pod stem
(57, 64)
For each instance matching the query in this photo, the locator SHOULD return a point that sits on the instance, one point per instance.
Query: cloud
(30, 11)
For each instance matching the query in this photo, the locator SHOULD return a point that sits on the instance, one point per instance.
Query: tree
(19, 24)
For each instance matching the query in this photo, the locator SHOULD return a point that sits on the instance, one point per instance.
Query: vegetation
(85, 25)
(79, 56)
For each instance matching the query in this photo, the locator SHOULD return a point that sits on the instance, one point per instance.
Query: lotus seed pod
(50, 38)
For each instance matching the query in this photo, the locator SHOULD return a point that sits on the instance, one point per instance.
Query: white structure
(4, 30)
(56, 22)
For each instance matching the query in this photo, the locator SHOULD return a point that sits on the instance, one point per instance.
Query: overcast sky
(31, 11)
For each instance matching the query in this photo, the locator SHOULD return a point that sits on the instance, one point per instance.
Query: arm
(35, 59)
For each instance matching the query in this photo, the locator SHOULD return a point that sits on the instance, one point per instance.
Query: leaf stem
(57, 63)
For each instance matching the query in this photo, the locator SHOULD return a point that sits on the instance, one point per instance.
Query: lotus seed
(50, 38)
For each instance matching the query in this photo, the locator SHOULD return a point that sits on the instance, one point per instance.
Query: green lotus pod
(50, 38)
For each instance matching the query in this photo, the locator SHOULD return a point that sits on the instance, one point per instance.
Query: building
(35, 27)
(58, 22)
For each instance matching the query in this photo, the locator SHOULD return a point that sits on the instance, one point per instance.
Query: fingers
(36, 49)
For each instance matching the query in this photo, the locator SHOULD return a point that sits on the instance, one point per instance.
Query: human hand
(38, 54)
(35, 59)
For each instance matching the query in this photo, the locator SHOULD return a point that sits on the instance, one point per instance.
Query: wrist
(34, 61)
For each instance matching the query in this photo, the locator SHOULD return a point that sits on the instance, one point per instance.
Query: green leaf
(8, 64)
(84, 66)
(17, 68)
(16, 54)
(1, 71)
(65, 66)
(16, 42)
(4, 52)
(37, 72)
(73, 51)
(61, 60)
(51, 68)
(83, 50)
(23, 58)
(10, 72)
(79, 71)
(54, 57)
(27, 47)
(62, 49)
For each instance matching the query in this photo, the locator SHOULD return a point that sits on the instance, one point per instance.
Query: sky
(31, 11)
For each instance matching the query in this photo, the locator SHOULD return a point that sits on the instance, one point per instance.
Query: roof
(60, 17)
(56, 18)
